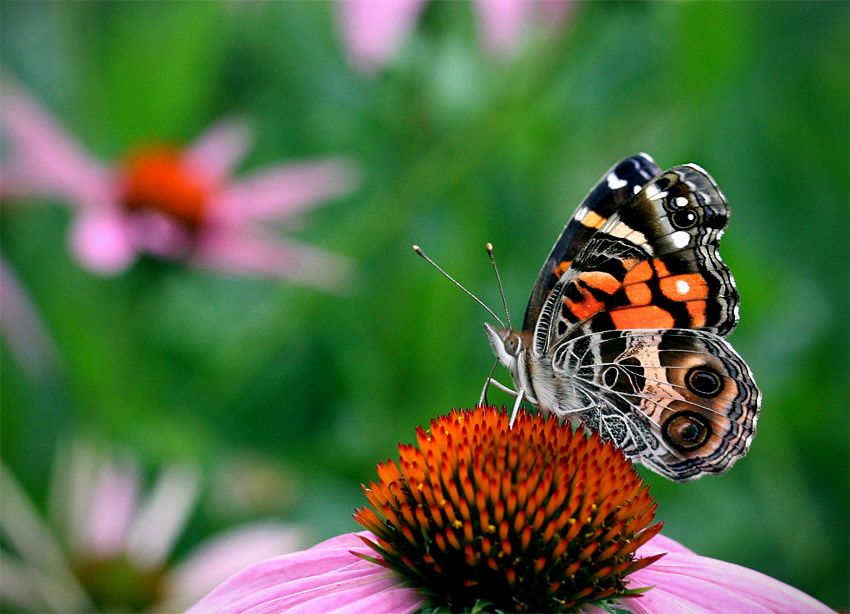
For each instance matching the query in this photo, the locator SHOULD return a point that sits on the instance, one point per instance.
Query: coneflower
(481, 517)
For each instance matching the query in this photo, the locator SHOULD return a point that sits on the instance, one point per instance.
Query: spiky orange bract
(530, 518)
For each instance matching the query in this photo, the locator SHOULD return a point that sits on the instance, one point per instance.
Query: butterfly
(624, 330)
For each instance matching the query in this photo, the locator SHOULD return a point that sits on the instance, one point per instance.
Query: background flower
(107, 545)
(172, 203)
(373, 30)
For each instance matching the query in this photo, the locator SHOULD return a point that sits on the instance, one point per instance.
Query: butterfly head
(511, 348)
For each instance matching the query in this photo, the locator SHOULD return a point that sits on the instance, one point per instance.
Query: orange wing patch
(688, 287)
(588, 304)
(641, 272)
(562, 268)
(638, 294)
(696, 309)
(593, 220)
(599, 280)
(651, 316)
(596, 289)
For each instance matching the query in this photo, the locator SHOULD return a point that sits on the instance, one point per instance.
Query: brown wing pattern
(682, 402)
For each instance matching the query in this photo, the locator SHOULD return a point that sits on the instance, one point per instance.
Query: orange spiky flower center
(156, 178)
(537, 517)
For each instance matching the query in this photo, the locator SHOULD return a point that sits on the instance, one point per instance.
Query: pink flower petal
(99, 240)
(661, 543)
(22, 328)
(153, 233)
(503, 22)
(554, 12)
(256, 254)
(687, 583)
(45, 160)
(225, 554)
(374, 29)
(324, 578)
(282, 191)
(216, 152)
(111, 508)
(366, 594)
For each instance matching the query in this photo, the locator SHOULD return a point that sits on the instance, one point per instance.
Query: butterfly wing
(652, 264)
(616, 188)
(681, 402)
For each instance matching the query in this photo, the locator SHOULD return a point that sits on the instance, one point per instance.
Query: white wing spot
(680, 239)
(682, 287)
(637, 189)
(615, 182)
(681, 201)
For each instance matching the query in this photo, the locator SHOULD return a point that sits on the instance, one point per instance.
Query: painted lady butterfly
(624, 330)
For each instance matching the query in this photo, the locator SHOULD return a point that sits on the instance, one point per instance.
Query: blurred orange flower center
(156, 178)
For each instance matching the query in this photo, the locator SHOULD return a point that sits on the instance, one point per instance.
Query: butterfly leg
(519, 395)
(483, 398)
(502, 387)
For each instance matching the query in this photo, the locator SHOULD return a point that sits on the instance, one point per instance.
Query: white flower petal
(159, 522)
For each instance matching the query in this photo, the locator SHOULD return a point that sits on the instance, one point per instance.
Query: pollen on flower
(531, 518)
(157, 179)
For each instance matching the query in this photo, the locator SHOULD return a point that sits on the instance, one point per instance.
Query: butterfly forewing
(615, 189)
(652, 264)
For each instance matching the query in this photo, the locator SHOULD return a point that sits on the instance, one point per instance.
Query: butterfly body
(624, 331)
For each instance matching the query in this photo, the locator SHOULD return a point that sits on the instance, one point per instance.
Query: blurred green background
(456, 149)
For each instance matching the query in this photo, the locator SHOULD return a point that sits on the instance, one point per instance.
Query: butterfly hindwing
(652, 264)
(682, 402)
(616, 188)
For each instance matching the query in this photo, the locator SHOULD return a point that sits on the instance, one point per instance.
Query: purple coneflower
(175, 203)
(373, 30)
(483, 517)
(107, 546)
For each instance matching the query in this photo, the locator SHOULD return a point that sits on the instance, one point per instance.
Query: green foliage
(456, 149)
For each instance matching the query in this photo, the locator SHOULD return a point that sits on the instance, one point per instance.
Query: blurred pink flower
(22, 328)
(172, 203)
(330, 578)
(373, 30)
(108, 547)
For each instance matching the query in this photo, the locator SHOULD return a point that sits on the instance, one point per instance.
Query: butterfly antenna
(419, 251)
(499, 281)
